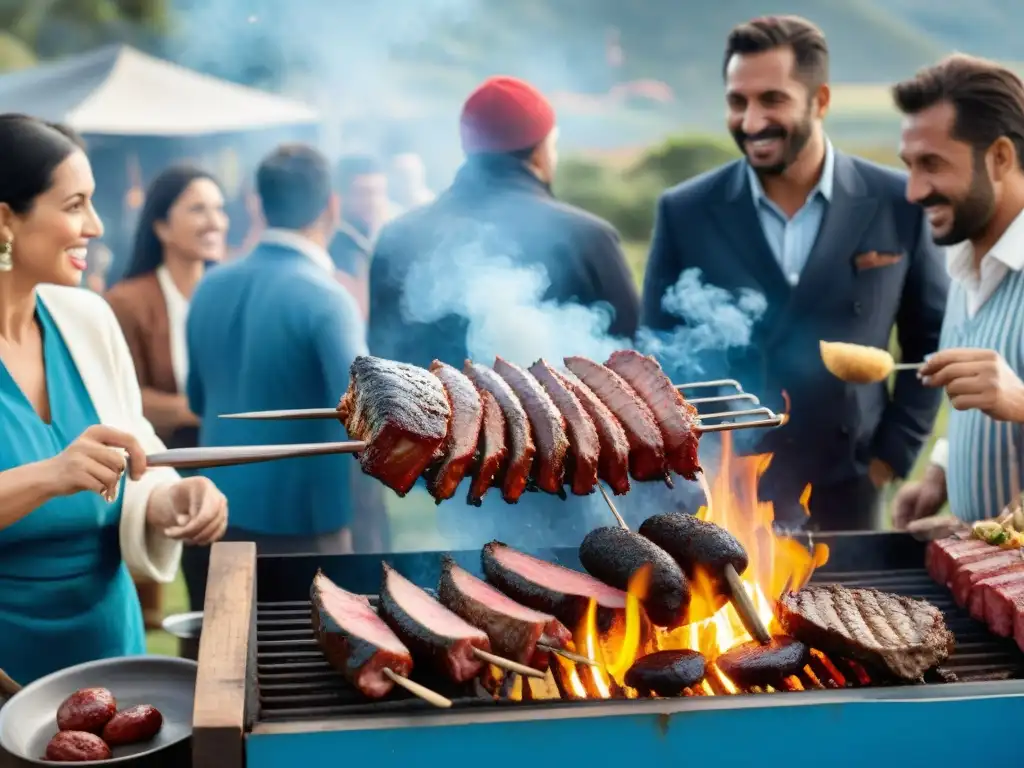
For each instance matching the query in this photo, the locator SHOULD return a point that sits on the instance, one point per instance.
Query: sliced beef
(431, 631)
(646, 446)
(999, 596)
(943, 556)
(1018, 624)
(519, 439)
(613, 456)
(584, 446)
(355, 640)
(749, 664)
(401, 412)
(676, 418)
(459, 447)
(968, 575)
(513, 629)
(666, 673)
(896, 634)
(546, 424)
(613, 555)
(980, 593)
(554, 589)
(492, 452)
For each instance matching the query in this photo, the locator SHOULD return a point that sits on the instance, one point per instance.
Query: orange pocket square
(874, 259)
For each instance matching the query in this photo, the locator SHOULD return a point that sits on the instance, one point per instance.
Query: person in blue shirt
(276, 330)
(72, 529)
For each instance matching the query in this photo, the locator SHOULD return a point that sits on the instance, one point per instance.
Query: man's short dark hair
(988, 100)
(807, 41)
(294, 185)
(351, 167)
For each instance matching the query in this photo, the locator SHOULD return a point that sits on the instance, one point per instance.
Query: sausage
(129, 726)
(77, 747)
(88, 709)
(751, 663)
(613, 555)
(666, 673)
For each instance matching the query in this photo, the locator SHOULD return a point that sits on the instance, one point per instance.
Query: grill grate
(295, 681)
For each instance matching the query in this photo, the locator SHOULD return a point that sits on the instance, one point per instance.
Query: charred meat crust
(546, 424)
(613, 456)
(517, 426)
(695, 543)
(613, 555)
(401, 412)
(751, 663)
(460, 446)
(492, 449)
(676, 418)
(646, 446)
(892, 633)
(584, 445)
(666, 673)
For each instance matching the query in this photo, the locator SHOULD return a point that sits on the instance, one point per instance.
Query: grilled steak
(491, 448)
(584, 446)
(519, 440)
(751, 663)
(676, 418)
(354, 639)
(993, 598)
(646, 446)
(430, 630)
(459, 447)
(613, 453)
(513, 629)
(614, 554)
(897, 634)
(967, 576)
(546, 424)
(943, 556)
(550, 588)
(401, 412)
(666, 673)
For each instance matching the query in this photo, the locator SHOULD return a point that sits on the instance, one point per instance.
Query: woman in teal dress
(71, 523)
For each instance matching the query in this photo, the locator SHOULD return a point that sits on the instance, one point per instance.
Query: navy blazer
(835, 429)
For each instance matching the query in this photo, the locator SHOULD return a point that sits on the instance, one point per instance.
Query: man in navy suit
(838, 254)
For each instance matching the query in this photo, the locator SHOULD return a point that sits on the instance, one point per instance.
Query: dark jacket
(844, 294)
(524, 223)
(350, 250)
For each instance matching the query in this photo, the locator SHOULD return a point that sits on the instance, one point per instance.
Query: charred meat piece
(546, 424)
(613, 454)
(491, 447)
(584, 445)
(519, 440)
(401, 412)
(550, 588)
(696, 544)
(513, 629)
(355, 640)
(897, 634)
(750, 664)
(614, 554)
(430, 630)
(666, 673)
(646, 446)
(676, 418)
(459, 447)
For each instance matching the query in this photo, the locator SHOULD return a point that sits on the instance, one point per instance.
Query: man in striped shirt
(963, 143)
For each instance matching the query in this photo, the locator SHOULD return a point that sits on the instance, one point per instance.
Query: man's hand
(920, 500)
(880, 473)
(936, 527)
(977, 379)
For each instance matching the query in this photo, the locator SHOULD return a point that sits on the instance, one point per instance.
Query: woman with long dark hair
(181, 230)
(72, 528)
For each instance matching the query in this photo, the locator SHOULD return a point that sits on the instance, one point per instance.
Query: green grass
(175, 601)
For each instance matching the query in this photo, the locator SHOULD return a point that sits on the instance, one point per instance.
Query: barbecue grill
(266, 697)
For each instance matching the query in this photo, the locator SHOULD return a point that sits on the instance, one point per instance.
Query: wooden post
(226, 695)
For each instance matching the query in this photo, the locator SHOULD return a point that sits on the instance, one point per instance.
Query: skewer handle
(418, 690)
(745, 607)
(908, 366)
(230, 455)
(297, 414)
(508, 665)
(568, 655)
(611, 506)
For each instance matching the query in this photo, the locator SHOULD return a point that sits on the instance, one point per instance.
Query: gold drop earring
(7, 256)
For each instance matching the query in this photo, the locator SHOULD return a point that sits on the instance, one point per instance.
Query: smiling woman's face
(50, 239)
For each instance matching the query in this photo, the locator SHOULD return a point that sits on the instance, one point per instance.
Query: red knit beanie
(505, 114)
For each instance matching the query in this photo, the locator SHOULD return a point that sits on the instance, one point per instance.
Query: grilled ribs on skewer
(458, 450)
(354, 639)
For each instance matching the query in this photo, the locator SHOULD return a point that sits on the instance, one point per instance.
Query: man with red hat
(499, 206)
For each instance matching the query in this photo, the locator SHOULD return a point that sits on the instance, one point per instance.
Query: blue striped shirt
(791, 239)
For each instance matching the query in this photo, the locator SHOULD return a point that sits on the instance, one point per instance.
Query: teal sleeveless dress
(66, 596)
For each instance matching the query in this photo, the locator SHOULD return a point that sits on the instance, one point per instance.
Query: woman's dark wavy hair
(163, 193)
(30, 151)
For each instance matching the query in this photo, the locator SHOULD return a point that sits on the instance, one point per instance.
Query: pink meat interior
(355, 615)
(427, 611)
(560, 578)
(483, 592)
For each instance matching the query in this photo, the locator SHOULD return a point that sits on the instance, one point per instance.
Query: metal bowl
(29, 719)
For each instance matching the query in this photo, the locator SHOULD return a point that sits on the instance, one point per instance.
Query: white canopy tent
(120, 91)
